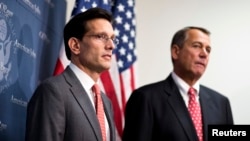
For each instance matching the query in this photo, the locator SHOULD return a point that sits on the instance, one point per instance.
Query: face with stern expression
(191, 58)
(89, 40)
(96, 46)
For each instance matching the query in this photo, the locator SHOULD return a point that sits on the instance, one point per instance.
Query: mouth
(107, 56)
(200, 64)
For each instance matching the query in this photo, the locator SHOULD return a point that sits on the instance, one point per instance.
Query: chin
(199, 74)
(106, 68)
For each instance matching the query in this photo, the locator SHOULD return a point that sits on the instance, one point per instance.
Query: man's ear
(74, 45)
(175, 50)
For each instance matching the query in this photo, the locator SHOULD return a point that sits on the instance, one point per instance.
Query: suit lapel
(83, 100)
(206, 109)
(178, 106)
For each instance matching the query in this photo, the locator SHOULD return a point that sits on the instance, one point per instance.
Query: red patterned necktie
(195, 112)
(99, 110)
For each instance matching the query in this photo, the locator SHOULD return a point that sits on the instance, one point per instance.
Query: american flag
(119, 81)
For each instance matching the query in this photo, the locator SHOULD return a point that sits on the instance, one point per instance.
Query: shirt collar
(86, 81)
(182, 85)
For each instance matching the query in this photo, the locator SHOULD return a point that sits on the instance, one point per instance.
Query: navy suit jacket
(60, 110)
(157, 112)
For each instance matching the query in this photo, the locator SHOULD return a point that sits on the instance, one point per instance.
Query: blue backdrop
(31, 34)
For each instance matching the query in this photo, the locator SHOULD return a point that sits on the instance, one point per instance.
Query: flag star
(129, 14)
(120, 8)
(130, 3)
(133, 22)
(118, 20)
(131, 45)
(105, 1)
(129, 57)
(132, 33)
(125, 38)
(122, 51)
(120, 63)
(127, 26)
(117, 32)
(94, 4)
(135, 52)
(83, 9)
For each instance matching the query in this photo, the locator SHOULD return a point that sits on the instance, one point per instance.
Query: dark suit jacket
(157, 112)
(60, 110)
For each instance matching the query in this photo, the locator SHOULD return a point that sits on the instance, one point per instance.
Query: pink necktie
(195, 112)
(99, 110)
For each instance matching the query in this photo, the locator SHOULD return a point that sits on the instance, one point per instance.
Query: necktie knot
(192, 92)
(96, 89)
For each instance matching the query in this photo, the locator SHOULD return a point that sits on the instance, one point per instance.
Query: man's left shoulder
(209, 91)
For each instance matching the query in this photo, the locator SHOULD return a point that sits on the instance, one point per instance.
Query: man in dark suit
(63, 107)
(160, 111)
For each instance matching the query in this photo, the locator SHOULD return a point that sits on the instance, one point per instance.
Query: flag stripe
(109, 89)
(132, 81)
(62, 61)
(59, 67)
(128, 82)
(122, 93)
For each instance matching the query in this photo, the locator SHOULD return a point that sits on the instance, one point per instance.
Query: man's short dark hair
(180, 36)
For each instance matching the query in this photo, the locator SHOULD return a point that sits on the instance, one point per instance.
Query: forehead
(197, 35)
(99, 24)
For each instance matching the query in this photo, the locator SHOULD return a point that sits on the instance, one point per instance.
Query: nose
(204, 53)
(110, 44)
